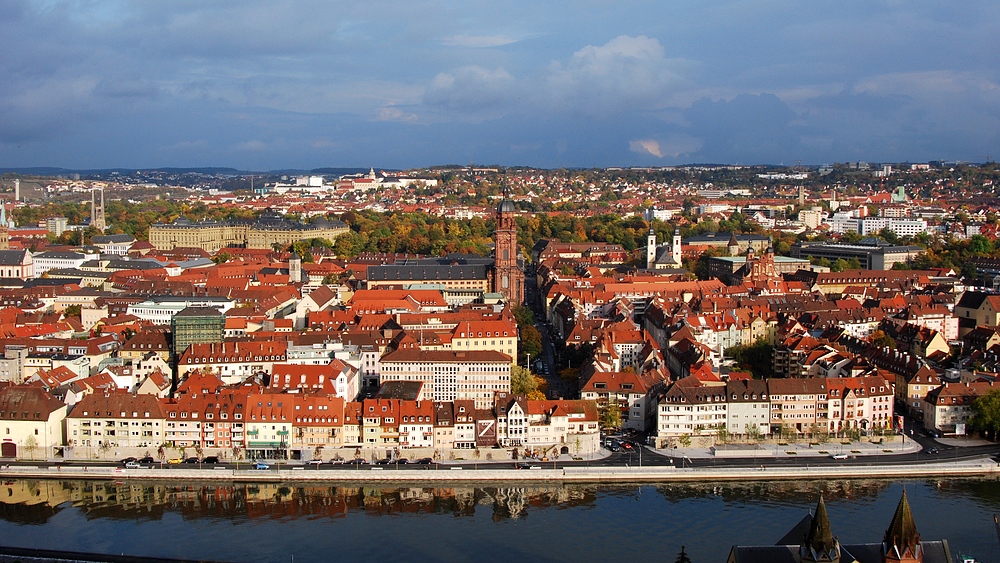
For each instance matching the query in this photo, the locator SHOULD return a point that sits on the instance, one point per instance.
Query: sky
(395, 84)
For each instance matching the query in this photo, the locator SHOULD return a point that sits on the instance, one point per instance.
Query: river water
(274, 522)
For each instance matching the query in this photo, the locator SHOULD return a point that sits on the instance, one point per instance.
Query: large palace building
(269, 229)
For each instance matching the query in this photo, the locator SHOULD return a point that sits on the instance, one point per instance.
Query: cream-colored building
(268, 230)
(448, 375)
(30, 422)
(117, 420)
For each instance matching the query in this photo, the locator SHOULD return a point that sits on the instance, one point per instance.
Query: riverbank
(574, 474)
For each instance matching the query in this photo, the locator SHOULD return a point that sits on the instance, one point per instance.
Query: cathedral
(508, 279)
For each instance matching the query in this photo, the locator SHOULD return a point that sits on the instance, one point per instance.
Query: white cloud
(626, 73)
(392, 113)
(478, 41)
(251, 146)
(471, 88)
(673, 146)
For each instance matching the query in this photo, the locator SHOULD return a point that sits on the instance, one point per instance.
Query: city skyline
(266, 86)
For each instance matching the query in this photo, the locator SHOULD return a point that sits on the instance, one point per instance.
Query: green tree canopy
(986, 414)
(521, 381)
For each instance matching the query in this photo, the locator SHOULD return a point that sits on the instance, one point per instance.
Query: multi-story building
(234, 362)
(449, 375)
(54, 260)
(416, 424)
(32, 422)
(196, 325)
(872, 254)
(269, 419)
(161, 309)
(318, 424)
(268, 230)
(947, 409)
(691, 409)
(100, 422)
(749, 409)
(798, 405)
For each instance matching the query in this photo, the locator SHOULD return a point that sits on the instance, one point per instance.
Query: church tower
(508, 279)
(675, 247)
(902, 541)
(651, 249)
(4, 225)
(819, 545)
(97, 209)
(295, 268)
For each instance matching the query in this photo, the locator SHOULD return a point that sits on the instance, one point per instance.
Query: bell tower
(508, 279)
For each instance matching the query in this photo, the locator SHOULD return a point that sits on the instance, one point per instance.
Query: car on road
(127, 460)
(147, 459)
(132, 465)
(211, 459)
(839, 456)
(261, 465)
(193, 459)
(174, 461)
(932, 451)
(524, 465)
(627, 446)
(614, 447)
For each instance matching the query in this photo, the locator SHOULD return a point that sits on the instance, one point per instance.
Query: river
(274, 522)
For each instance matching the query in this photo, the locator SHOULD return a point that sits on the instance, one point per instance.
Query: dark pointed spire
(902, 538)
(820, 537)
(819, 545)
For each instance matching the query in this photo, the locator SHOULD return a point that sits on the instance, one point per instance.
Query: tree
(610, 417)
(881, 339)
(521, 381)
(72, 311)
(758, 358)
(31, 444)
(986, 414)
(531, 343)
(684, 441)
(682, 557)
(722, 434)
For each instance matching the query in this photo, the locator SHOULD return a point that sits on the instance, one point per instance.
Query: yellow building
(268, 230)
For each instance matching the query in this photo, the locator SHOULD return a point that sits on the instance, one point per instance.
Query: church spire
(902, 541)
(819, 544)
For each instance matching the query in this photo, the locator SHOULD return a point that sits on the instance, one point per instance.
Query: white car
(133, 465)
(839, 456)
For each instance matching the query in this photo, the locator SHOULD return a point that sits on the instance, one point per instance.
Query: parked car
(337, 461)
(261, 465)
(147, 459)
(193, 459)
(402, 461)
(425, 461)
(358, 461)
(174, 460)
(127, 460)
(524, 465)
(132, 465)
(315, 462)
(211, 459)
(384, 461)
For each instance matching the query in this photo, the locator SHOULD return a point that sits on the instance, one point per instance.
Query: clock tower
(508, 279)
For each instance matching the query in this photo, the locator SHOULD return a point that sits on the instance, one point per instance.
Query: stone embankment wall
(486, 474)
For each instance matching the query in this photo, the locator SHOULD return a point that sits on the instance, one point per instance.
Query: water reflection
(36, 501)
